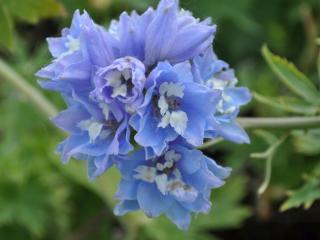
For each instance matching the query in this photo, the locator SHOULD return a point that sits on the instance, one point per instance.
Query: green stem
(41, 103)
(272, 123)
(268, 155)
(281, 122)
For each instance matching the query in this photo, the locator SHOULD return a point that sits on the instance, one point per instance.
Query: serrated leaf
(289, 104)
(6, 36)
(33, 10)
(292, 77)
(304, 196)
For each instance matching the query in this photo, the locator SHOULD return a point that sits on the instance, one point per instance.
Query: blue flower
(150, 80)
(77, 53)
(166, 33)
(174, 106)
(95, 135)
(122, 82)
(177, 183)
(217, 75)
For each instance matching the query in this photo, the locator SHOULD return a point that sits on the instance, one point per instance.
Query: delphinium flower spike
(150, 80)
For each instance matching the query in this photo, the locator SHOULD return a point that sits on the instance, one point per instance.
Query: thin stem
(210, 143)
(281, 122)
(10, 75)
(273, 123)
(269, 154)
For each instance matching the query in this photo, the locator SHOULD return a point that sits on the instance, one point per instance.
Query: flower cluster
(153, 81)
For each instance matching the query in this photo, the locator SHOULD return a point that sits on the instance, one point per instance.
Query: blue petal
(203, 180)
(217, 170)
(160, 34)
(56, 46)
(232, 131)
(100, 45)
(201, 204)
(98, 165)
(190, 42)
(127, 190)
(151, 201)
(149, 128)
(183, 70)
(239, 95)
(132, 33)
(129, 163)
(69, 119)
(125, 207)
(179, 215)
(69, 146)
(190, 161)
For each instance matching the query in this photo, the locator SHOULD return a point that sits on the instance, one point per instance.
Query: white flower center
(145, 173)
(97, 129)
(215, 83)
(72, 45)
(119, 81)
(93, 127)
(223, 103)
(169, 104)
(167, 177)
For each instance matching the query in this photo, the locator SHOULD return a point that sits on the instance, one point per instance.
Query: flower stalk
(8, 74)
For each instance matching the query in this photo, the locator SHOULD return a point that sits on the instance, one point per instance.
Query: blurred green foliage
(30, 11)
(42, 199)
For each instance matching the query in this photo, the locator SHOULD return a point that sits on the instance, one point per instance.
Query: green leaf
(307, 143)
(227, 210)
(305, 196)
(319, 65)
(292, 77)
(6, 36)
(33, 10)
(288, 104)
(267, 136)
(162, 228)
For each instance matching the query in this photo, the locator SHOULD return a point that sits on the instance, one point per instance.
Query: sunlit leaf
(33, 10)
(292, 77)
(288, 104)
(100, 4)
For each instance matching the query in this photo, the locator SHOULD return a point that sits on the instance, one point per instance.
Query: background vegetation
(42, 199)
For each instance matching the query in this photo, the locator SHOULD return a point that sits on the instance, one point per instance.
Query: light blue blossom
(76, 53)
(122, 82)
(177, 183)
(216, 74)
(95, 135)
(150, 80)
(167, 33)
(174, 106)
